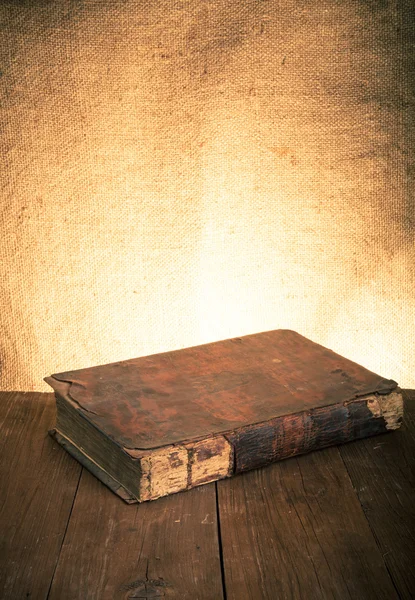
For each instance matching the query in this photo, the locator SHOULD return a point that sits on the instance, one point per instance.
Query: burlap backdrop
(180, 172)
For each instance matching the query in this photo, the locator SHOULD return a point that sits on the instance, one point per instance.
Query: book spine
(258, 445)
(181, 467)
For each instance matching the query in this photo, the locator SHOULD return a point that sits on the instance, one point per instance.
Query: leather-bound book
(165, 423)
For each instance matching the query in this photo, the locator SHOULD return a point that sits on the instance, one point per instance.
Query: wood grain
(39, 483)
(166, 549)
(296, 529)
(383, 473)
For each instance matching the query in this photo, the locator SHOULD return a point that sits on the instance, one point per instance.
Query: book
(165, 423)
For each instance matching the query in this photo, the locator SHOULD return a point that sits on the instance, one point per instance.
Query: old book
(160, 424)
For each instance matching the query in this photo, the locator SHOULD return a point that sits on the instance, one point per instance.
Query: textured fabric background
(175, 173)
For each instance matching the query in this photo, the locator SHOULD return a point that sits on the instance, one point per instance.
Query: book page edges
(87, 462)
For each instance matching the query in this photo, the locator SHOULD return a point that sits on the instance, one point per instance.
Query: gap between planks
(64, 535)
(222, 565)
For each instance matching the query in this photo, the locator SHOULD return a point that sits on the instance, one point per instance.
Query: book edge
(87, 462)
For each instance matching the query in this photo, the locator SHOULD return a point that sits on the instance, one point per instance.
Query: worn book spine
(182, 466)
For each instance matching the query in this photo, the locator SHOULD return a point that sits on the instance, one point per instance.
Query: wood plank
(168, 548)
(296, 529)
(382, 470)
(39, 483)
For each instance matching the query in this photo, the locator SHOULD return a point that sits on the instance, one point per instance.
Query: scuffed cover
(191, 394)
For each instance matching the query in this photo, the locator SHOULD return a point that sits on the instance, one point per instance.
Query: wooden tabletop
(338, 523)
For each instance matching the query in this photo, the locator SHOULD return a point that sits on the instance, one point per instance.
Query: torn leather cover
(153, 401)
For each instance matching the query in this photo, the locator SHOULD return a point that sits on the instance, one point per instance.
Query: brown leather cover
(190, 394)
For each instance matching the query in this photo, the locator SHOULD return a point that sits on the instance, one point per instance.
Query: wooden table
(338, 523)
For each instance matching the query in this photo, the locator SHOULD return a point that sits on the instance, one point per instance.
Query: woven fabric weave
(175, 173)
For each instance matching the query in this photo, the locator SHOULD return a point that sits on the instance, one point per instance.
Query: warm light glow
(177, 175)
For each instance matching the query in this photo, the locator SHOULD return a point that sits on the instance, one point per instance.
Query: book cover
(164, 423)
